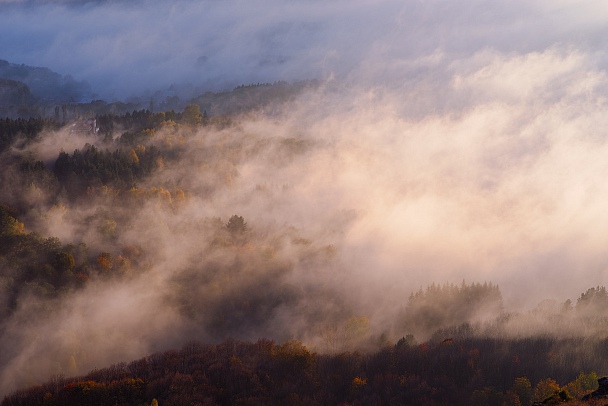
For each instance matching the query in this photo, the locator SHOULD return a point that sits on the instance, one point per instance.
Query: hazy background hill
(27, 91)
(34, 91)
(45, 84)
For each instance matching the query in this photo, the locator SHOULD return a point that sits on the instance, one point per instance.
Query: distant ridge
(44, 84)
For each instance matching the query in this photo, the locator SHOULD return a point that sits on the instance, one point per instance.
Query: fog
(446, 142)
(131, 48)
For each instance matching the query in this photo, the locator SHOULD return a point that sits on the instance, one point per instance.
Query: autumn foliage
(266, 373)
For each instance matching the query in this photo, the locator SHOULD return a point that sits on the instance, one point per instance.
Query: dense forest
(118, 240)
(459, 370)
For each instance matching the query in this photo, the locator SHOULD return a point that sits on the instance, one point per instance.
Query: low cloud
(126, 49)
(447, 142)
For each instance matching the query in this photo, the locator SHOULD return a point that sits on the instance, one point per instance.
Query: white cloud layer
(131, 47)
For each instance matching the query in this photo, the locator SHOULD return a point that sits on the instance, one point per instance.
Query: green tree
(593, 302)
(487, 396)
(583, 384)
(523, 389)
(64, 262)
(236, 224)
(108, 229)
(192, 115)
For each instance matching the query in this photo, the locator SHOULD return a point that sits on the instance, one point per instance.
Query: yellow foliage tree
(355, 330)
(9, 225)
(72, 366)
(140, 149)
(545, 389)
(179, 196)
(133, 158)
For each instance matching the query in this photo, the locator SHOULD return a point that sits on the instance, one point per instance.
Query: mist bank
(351, 198)
(431, 150)
(136, 48)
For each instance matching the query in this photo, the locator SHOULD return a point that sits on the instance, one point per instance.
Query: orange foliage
(105, 262)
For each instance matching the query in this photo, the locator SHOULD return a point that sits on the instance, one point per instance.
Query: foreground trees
(462, 372)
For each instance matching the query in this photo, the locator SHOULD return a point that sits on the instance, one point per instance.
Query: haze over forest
(376, 148)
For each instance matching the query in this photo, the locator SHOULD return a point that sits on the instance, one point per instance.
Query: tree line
(469, 372)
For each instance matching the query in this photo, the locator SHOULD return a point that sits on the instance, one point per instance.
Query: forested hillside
(458, 370)
(35, 92)
(115, 219)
